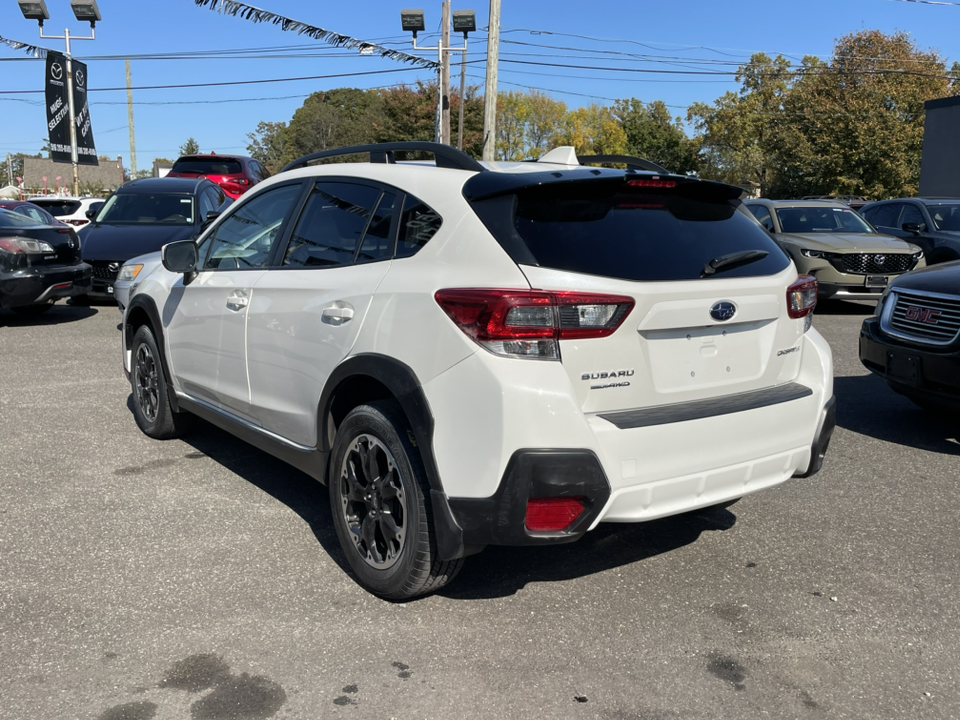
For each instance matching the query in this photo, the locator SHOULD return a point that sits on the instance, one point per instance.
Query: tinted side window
(884, 216)
(418, 223)
(331, 225)
(246, 238)
(911, 214)
(208, 203)
(762, 214)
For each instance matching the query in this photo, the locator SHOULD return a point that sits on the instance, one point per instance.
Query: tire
(151, 404)
(32, 310)
(380, 501)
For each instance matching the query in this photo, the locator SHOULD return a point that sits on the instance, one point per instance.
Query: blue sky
(639, 34)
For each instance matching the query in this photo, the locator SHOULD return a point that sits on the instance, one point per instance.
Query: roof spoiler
(444, 155)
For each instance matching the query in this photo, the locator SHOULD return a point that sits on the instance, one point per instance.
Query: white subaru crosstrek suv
(478, 354)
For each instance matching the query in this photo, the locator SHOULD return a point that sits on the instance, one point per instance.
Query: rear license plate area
(903, 368)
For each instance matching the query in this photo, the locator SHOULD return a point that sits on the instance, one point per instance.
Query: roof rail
(444, 155)
(631, 162)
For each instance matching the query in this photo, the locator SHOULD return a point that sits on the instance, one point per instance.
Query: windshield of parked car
(208, 166)
(822, 220)
(144, 208)
(945, 216)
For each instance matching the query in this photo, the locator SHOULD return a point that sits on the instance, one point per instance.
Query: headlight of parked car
(129, 272)
(812, 253)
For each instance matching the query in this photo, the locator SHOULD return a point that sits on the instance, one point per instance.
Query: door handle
(237, 301)
(337, 314)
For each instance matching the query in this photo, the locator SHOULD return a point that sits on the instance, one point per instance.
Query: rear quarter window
(610, 229)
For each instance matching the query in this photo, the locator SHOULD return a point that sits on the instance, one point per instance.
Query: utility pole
(133, 137)
(463, 91)
(490, 91)
(445, 74)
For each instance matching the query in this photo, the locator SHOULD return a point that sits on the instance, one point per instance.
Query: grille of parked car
(926, 318)
(877, 263)
(106, 270)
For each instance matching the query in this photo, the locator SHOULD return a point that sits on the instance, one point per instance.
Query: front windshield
(822, 220)
(147, 209)
(945, 216)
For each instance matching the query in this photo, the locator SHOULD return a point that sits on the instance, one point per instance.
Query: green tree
(190, 147)
(739, 134)
(654, 135)
(545, 120)
(331, 119)
(269, 145)
(857, 122)
(409, 113)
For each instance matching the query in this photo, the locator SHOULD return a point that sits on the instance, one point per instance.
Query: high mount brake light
(530, 323)
(652, 183)
(802, 297)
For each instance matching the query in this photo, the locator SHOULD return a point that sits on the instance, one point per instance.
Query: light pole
(85, 11)
(463, 21)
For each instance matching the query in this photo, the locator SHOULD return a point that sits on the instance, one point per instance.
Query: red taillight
(530, 323)
(553, 514)
(802, 297)
(653, 183)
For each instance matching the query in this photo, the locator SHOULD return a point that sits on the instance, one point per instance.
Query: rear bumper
(910, 369)
(35, 285)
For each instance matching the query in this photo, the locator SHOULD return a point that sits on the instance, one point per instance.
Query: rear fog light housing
(554, 514)
(531, 323)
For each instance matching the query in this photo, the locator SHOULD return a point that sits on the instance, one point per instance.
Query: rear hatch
(224, 171)
(708, 285)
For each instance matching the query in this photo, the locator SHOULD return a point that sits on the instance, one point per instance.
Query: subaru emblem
(723, 311)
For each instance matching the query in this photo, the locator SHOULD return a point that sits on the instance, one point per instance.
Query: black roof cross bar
(631, 162)
(444, 155)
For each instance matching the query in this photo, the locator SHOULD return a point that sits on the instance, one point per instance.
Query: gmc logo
(924, 315)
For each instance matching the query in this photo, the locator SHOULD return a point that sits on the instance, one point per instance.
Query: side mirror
(180, 256)
(92, 213)
(211, 216)
(914, 228)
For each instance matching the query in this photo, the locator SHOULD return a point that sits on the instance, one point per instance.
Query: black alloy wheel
(151, 404)
(380, 501)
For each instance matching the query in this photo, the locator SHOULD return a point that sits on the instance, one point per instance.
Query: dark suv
(931, 223)
(234, 173)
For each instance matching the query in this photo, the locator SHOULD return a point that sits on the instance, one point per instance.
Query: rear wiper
(733, 260)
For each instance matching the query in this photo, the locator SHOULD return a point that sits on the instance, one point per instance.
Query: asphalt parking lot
(202, 579)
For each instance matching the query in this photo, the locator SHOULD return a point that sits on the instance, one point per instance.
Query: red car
(234, 173)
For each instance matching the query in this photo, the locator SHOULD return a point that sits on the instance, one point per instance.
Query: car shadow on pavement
(57, 315)
(503, 571)
(844, 307)
(497, 571)
(866, 405)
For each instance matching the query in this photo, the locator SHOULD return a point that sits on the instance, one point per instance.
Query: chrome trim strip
(247, 424)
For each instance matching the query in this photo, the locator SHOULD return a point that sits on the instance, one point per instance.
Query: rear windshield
(58, 208)
(611, 229)
(11, 219)
(208, 166)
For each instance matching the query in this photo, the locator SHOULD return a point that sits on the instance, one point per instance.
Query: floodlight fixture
(412, 21)
(464, 21)
(86, 11)
(34, 10)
